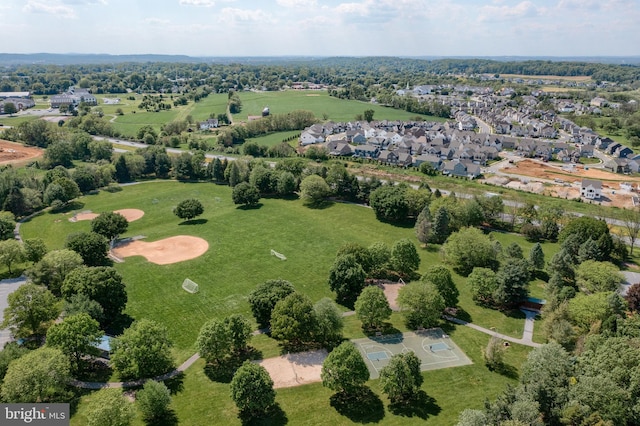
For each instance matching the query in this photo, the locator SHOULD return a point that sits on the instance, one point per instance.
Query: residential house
(209, 124)
(309, 138)
(435, 161)
(618, 165)
(366, 151)
(591, 189)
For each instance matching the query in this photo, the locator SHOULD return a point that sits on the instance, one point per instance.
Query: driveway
(7, 287)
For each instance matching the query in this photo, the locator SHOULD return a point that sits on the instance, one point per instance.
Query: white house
(591, 189)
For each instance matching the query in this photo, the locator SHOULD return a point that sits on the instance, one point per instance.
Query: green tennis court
(433, 347)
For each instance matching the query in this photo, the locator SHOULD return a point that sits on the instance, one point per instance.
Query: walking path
(527, 335)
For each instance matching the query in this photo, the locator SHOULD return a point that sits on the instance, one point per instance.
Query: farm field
(576, 78)
(318, 102)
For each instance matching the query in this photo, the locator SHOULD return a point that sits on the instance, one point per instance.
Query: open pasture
(318, 102)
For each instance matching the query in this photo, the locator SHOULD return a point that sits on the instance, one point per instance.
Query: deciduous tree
(30, 311)
(76, 336)
(101, 283)
(346, 278)
(401, 378)
(38, 376)
(467, 249)
(344, 371)
(110, 225)
(372, 308)
(265, 296)
(314, 189)
(142, 351)
(11, 252)
(245, 194)
(188, 209)
(109, 407)
(153, 400)
(440, 276)
(91, 246)
(421, 303)
(293, 320)
(252, 390)
(53, 268)
(405, 259)
(329, 322)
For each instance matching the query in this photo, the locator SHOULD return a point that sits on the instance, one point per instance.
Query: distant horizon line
(320, 55)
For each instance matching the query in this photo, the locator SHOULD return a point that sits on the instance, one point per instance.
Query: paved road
(7, 287)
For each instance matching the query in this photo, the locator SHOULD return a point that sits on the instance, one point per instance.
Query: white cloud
(501, 13)
(197, 3)
(230, 14)
(156, 21)
(56, 9)
(87, 2)
(297, 3)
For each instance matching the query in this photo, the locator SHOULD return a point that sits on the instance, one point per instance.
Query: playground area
(433, 347)
(295, 369)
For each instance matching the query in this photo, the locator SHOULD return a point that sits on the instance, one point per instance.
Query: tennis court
(433, 347)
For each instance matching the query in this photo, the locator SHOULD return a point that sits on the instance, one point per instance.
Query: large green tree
(401, 378)
(346, 278)
(372, 308)
(596, 276)
(405, 259)
(91, 246)
(110, 225)
(246, 194)
(344, 371)
(109, 407)
(31, 310)
(53, 268)
(467, 249)
(545, 376)
(389, 204)
(314, 189)
(38, 376)
(440, 276)
(153, 400)
(78, 335)
(265, 296)
(11, 252)
(188, 209)
(293, 320)
(421, 303)
(252, 390)
(101, 283)
(142, 351)
(329, 322)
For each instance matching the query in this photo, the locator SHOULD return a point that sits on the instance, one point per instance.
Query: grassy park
(239, 258)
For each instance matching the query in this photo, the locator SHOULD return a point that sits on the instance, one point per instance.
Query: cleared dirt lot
(563, 181)
(12, 153)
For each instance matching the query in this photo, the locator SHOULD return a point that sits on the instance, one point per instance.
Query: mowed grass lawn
(239, 256)
(201, 401)
(237, 260)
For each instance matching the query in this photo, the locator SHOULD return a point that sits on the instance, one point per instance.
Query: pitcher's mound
(129, 214)
(166, 251)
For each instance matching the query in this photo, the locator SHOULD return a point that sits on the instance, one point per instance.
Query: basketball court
(433, 347)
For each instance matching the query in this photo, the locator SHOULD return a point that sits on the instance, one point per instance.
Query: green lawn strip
(276, 138)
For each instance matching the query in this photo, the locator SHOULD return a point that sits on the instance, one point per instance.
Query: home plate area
(433, 347)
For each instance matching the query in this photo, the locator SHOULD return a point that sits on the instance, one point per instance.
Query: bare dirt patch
(564, 181)
(11, 152)
(295, 369)
(164, 252)
(129, 214)
(313, 94)
(390, 290)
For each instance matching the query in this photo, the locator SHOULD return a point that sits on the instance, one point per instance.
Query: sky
(323, 27)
